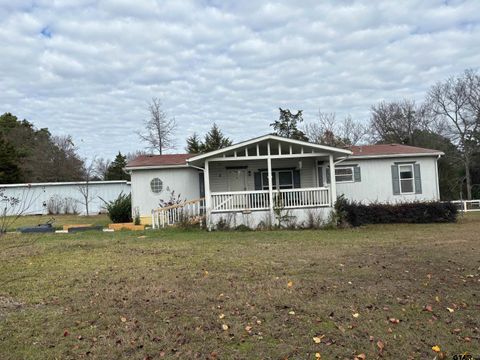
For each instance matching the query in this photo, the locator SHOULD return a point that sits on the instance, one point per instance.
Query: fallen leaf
(221, 316)
(380, 345)
(225, 327)
(436, 348)
(371, 338)
(394, 321)
(450, 310)
(290, 284)
(291, 312)
(248, 328)
(66, 333)
(428, 308)
(318, 339)
(356, 315)
(122, 319)
(361, 356)
(318, 356)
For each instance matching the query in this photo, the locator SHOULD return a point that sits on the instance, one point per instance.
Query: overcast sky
(88, 68)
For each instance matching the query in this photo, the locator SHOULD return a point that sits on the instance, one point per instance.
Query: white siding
(376, 181)
(36, 196)
(184, 181)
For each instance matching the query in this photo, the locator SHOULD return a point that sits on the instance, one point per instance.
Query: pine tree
(215, 140)
(115, 170)
(287, 125)
(194, 144)
(9, 171)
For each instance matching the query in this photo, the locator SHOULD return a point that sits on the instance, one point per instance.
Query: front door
(237, 180)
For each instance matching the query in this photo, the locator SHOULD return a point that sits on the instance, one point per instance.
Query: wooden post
(208, 200)
(270, 184)
(333, 185)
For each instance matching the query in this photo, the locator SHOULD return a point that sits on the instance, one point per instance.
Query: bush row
(357, 214)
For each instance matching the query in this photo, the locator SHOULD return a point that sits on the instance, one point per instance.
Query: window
(406, 179)
(156, 185)
(342, 174)
(285, 179)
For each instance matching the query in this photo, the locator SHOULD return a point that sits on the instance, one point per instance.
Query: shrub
(120, 209)
(55, 205)
(357, 214)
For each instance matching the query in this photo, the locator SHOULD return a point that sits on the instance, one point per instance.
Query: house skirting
(298, 218)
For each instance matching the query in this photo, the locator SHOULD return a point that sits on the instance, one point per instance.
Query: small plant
(242, 227)
(120, 209)
(70, 206)
(136, 219)
(222, 224)
(282, 216)
(314, 219)
(173, 200)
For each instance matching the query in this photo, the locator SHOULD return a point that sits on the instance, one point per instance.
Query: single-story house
(248, 182)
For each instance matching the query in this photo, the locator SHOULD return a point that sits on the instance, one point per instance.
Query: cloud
(88, 68)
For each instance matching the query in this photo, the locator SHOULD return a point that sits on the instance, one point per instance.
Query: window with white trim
(343, 174)
(281, 179)
(405, 174)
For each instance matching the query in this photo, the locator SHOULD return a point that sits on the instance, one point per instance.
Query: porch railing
(259, 199)
(193, 210)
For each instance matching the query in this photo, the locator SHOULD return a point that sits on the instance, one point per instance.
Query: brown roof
(362, 150)
(159, 160)
(389, 149)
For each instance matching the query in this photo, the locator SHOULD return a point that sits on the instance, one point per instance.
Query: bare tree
(84, 187)
(101, 167)
(12, 207)
(159, 129)
(134, 154)
(455, 106)
(330, 131)
(397, 121)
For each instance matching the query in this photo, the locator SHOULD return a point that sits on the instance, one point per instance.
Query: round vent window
(156, 185)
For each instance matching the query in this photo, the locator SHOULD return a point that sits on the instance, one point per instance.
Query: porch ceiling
(271, 146)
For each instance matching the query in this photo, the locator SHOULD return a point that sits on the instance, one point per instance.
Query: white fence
(37, 198)
(259, 200)
(467, 205)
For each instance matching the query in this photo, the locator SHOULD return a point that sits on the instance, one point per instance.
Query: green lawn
(242, 295)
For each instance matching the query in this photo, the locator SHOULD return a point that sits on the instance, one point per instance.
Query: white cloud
(97, 64)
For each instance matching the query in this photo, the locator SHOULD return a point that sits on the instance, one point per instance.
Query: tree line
(31, 155)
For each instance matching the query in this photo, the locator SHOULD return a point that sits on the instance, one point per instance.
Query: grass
(60, 220)
(167, 294)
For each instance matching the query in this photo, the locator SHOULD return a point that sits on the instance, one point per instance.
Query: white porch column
(208, 199)
(270, 184)
(333, 185)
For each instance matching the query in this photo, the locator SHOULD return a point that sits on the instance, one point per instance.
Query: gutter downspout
(437, 178)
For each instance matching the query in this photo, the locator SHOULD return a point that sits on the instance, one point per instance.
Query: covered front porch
(267, 175)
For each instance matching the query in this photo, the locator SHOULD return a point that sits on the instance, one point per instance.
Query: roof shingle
(159, 160)
(389, 149)
(358, 150)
